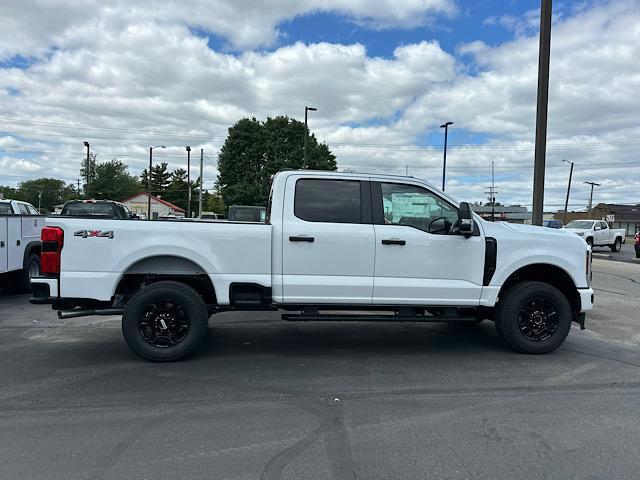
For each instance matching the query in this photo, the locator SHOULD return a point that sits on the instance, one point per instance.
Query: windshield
(82, 209)
(580, 224)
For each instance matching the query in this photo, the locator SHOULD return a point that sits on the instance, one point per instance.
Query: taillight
(52, 242)
(588, 267)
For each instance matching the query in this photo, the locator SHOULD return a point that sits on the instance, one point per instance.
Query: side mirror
(465, 220)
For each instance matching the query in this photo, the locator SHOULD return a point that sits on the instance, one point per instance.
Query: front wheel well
(549, 274)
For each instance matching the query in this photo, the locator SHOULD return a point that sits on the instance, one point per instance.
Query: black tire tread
(509, 334)
(198, 327)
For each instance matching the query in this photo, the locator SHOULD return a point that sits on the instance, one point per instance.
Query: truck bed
(104, 250)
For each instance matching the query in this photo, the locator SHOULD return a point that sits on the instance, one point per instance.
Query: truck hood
(578, 231)
(530, 232)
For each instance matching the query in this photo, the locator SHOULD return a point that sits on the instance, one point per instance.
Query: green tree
(44, 191)
(88, 171)
(160, 179)
(113, 182)
(212, 202)
(254, 151)
(178, 189)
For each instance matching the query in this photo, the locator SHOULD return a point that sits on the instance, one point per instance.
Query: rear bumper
(42, 289)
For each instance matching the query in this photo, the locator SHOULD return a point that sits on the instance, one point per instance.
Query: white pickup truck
(335, 246)
(598, 234)
(20, 226)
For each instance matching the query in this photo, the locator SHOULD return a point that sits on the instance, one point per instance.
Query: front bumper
(586, 299)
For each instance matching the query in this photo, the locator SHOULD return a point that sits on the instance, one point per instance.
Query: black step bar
(312, 317)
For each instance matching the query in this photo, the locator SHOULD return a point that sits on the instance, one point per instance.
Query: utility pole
(78, 187)
(87, 168)
(188, 181)
(492, 193)
(593, 184)
(541, 112)
(566, 202)
(306, 132)
(39, 199)
(201, 181)
(444, 162)
(149, 179)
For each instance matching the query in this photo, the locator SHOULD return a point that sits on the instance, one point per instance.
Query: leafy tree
(113, 182)
(88, 171)
(51, 191)
(160, 178)
(212, 202)
(254, 151)
(178, 189)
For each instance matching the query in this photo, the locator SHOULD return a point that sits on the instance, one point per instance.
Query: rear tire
(31, 269)
(617, 245)
(165, 321)
(533, 317)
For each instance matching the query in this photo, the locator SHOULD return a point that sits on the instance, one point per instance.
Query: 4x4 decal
(93, 233)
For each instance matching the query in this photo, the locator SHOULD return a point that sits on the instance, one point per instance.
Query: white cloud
(133, 74)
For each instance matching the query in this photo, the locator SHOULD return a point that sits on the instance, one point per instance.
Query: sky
(383, 75)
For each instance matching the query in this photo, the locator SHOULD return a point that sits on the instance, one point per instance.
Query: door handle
(301, 238)
(393, 242)
(1, 244)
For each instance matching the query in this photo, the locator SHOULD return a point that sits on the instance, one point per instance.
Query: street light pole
(306, 131)
(566, 202)
(86, 168)
(201, 181)
(444, 162)
(541, 112)
(593, 184)
(188, 181)
(149, 179)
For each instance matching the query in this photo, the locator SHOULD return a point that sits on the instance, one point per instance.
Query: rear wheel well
(549, 274)
(162, 268)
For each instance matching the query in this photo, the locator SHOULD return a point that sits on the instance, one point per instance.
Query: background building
(159, 208)
(504, 213)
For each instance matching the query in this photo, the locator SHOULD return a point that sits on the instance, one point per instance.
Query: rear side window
(334, 201)
(5, 209)
(86, 209)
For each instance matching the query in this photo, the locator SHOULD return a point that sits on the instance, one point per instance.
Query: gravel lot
(267, 399)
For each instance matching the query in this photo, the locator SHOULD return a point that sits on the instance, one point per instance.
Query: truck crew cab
(333, 244)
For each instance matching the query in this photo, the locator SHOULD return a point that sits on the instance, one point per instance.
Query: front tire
(533, 317)
(617, 245)
(165, 321)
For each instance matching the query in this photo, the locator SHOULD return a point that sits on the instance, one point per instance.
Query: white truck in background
(20, 226)
(598, 234)
(334, 247)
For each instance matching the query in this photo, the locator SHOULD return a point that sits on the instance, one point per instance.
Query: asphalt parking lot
(267, 399)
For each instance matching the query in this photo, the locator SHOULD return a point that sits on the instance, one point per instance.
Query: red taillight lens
(52, 242)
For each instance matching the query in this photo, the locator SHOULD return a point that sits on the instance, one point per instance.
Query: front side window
(416, 207)
(32, 211)
(333, 201)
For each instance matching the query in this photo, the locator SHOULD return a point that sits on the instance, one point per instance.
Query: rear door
(327, 241)
(3, 244)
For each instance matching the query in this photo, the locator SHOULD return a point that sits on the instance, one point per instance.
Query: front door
(420, 260)
(327, 242)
